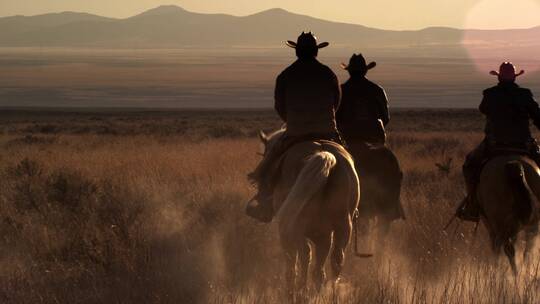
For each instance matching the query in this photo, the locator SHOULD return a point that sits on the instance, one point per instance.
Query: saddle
(366, 150)
(507, 150)
(272, 164)
(290, 142)
(373, 146)
(504, 149)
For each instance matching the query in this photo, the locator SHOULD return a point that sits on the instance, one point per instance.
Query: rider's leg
(469, 209)
(264, 177)
(535, 152)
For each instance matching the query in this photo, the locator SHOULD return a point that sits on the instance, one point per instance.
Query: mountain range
(172, 26)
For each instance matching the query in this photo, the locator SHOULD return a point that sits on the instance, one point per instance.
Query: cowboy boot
(469, 210)
(261, 206)
(264, 177)
(534, 152)
(263, 211)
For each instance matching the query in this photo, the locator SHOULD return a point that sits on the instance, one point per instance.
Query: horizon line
(268, 10)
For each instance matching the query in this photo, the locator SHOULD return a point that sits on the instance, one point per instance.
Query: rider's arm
(534, 109)
(382, 99)
(341, 109)
(279, 98)
(484, 105)
(336, 88)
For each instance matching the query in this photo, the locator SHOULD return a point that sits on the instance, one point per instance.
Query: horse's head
(270, 140)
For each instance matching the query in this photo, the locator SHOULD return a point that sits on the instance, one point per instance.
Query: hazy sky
(388, 14)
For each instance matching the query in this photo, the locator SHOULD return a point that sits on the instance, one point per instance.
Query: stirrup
(467, 213)
(262, 212)
(259, 214)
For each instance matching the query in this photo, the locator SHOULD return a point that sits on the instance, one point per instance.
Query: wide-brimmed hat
(358, 63)
(507, 70)
(306, 41)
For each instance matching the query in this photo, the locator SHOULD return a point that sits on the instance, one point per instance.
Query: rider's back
(508, 109)
(364, 110)
(307, 94)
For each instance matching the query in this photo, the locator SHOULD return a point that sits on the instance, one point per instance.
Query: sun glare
(504, 14)
(488, 50)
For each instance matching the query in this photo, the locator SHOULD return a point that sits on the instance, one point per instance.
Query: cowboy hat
(507, 70)
(358, 63)
(306, 41)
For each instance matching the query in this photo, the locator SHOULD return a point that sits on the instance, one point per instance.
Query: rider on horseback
(362, 118)
(508, 108)
(363, 113)
(307, 95)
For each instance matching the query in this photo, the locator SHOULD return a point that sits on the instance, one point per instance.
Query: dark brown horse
(508, 191)
(315, 197)
(381, 177)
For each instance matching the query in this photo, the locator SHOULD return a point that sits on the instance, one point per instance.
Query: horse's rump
(313, 170)
(381, 177)
(507, 192)
(309, 182)
(521, 193)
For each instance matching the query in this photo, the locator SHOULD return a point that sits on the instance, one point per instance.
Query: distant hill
(172, 26)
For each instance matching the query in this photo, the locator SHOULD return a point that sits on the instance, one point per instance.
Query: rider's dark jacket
(364, 111)
(508, 109)
(307, 95)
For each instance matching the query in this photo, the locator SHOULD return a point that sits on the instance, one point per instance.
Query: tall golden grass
(157, 217)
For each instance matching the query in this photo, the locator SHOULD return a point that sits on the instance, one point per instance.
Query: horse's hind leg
(363, 225)
(530, 237)
(383, 229)
(304, 258)
(510, 252)
(290, 268)
(342, 235)
(322, 248)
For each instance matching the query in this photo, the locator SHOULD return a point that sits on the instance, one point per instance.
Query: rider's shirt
(363, 113)
(508, 109)
(307, 95)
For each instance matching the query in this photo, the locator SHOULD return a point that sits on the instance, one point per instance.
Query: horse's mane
(278, 132)
(274, 137)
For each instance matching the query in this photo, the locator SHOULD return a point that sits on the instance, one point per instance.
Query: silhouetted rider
(307, 95)
(363, 113)
(361, 119)
(508, 109)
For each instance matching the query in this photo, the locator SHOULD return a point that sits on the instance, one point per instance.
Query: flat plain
(233, 78)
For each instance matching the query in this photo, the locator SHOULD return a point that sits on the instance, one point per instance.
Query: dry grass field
(148, 207)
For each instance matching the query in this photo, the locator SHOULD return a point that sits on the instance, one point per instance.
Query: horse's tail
(521, 192)
(311, 181)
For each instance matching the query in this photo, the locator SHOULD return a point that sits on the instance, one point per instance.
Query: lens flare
(487, 49)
